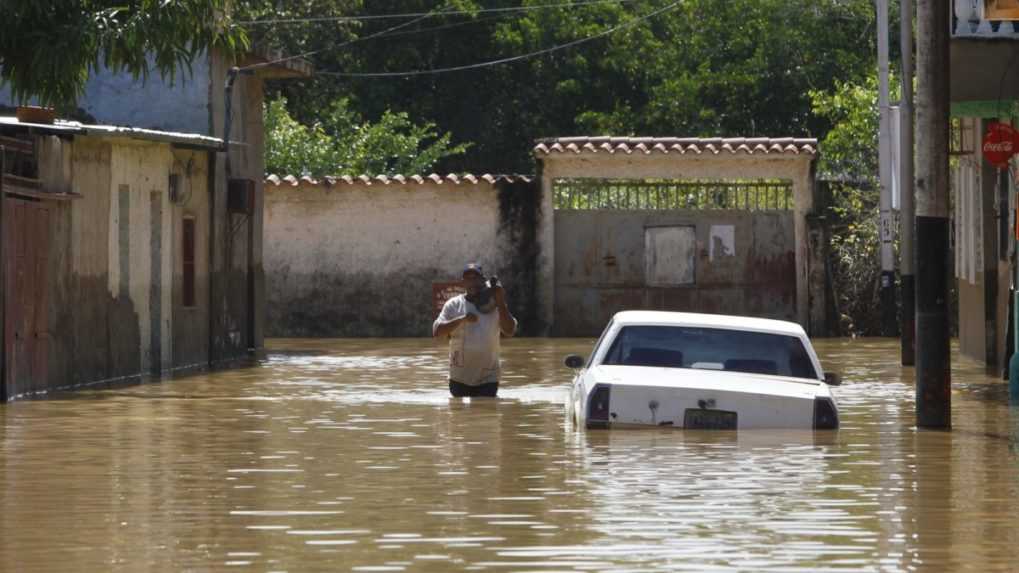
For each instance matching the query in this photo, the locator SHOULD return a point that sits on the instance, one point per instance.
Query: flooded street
(350, 455)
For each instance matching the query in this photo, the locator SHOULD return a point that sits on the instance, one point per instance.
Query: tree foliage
(849, 167)
(344, 144)
(704, 68)
(48, 49)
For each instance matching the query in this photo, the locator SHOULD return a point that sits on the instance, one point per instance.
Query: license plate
(709, 420)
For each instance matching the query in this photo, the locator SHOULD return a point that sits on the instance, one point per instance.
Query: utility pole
(885, 228)
(3, 279)
(933, 362)
(907, 211)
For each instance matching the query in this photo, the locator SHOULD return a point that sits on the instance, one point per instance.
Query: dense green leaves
(48, 49)
(343, 144)
(703, 68)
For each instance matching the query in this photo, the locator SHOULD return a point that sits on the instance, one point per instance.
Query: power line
(510, 59)
(432, 13)
(344, 44)
(449, 26)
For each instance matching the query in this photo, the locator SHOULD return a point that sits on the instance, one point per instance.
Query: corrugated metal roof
(434, 178)
(680, 145)
(77, 128)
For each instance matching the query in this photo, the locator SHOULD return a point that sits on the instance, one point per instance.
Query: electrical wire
(344, 44)
(417, 14)
(510, 59)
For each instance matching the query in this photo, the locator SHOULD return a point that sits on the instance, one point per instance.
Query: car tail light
(598, 407)
(826, 417)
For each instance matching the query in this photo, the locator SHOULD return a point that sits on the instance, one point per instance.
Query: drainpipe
(228, 88)
(933, 361)
(231, 77)
(906, 204)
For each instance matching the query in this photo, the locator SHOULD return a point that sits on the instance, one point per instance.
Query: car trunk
(706, 399)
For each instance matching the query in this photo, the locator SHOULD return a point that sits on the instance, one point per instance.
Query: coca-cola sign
(1000, 143)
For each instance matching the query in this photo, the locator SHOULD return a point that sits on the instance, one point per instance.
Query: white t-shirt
(473, 347)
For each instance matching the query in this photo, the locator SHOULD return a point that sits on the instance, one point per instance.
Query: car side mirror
(832, 379)
(574, 361)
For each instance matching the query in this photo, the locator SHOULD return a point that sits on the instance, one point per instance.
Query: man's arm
(507, 324)
(453, 315)
(443, 328)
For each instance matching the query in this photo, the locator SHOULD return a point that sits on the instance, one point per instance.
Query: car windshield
(711, 349)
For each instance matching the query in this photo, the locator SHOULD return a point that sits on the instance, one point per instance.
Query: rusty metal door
(26, 238)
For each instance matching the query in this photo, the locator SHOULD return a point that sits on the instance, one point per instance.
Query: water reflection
(350, 455)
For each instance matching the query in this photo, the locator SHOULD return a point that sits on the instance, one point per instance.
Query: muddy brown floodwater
(350, 456)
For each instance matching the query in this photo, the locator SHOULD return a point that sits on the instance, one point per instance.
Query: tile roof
(681, 145)
(434, 178)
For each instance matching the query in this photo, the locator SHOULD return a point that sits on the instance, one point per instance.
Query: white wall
(360, 260)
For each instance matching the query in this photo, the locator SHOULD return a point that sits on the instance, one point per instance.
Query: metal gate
(697, 246)
(26, 336)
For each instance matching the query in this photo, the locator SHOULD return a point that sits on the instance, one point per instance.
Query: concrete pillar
(933, 362)
(886, 233)
(907, 210)
(545, 273)
(803, 207)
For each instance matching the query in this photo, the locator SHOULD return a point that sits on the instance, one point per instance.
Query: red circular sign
(1000, 143)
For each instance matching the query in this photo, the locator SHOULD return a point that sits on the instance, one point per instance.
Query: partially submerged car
(702, 371)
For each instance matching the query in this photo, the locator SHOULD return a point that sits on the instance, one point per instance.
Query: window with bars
(698, 194)
(188, 252)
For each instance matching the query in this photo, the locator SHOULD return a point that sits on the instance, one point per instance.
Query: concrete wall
(796, 168)
(981, 70)
(600, 266)
(110, 265)
(982, 321)
(191, 324)
(114, 263)
(117, 98)
(357, 259)
(238, 287)
(177, 104)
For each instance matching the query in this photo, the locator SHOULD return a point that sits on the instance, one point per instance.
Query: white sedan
(702, 371)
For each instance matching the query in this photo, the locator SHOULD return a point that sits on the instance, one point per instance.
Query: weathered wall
(980, 70)
(238, 293)
(357, 259)
(181, 104)
(600, 266)
(94, 328)
(140, 250)
(976, 257)
(794, 167)
(114, 267)
(191, 324)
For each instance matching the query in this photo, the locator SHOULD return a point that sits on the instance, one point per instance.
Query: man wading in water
(473, 323)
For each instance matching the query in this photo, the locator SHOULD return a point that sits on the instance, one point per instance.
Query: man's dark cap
(472, 268)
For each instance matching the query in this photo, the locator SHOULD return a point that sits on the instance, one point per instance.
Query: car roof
(659, 317)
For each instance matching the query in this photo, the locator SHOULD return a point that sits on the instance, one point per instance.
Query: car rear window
(711, 349)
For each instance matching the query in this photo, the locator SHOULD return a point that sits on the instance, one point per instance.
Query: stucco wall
(788, 166)
(601, 256)
(237, 319)
(177, 104)
(360, 260)
(114, 265)
(191, 324)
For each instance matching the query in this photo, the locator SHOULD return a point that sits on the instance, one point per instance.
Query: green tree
(48, 49)
(706, 67)
(342, 143)
(848, 165)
